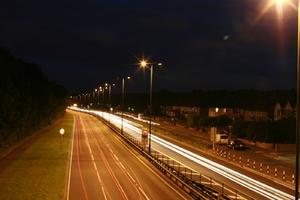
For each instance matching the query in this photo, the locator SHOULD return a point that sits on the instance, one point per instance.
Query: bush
(282, 131)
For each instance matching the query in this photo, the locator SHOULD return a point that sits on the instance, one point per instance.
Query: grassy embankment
(41, 171)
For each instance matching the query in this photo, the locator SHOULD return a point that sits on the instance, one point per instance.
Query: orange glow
(279, 6)
(143, 63)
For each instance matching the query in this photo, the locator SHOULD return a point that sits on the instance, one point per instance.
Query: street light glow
(279, 6)
(143, 63)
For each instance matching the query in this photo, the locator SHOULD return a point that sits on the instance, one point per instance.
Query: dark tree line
(28, 100)
(282, 131)
(246, 99)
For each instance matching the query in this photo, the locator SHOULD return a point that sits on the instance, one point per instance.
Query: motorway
(253, 187)
(104, 167)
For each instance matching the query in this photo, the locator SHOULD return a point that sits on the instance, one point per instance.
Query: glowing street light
(123, 94)
(144, 64)
(61, 132)
(280, 5)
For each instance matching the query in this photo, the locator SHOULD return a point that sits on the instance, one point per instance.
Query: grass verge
(40, 172)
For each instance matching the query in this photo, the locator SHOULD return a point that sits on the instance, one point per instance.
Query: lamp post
(95, 96)
(109, 92)
(103, 91)
(111, 109)
(215, 130)
(279, 4)
(297, 110)
(61, 132)
(108, 87)
(98, 96)
(144, 64)
(123, 93)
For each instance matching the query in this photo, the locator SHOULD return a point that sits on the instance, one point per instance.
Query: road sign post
(61, 132)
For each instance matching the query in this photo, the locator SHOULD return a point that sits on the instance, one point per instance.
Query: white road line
(165, 182)
(71, 159)
(93, 160)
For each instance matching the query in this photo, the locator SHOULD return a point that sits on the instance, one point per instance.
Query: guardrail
(197, 185)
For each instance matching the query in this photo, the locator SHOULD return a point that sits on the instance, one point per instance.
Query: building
(283, 112)
(256, 115)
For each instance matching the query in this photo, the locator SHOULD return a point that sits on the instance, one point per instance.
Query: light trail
(140, 119)
(254, 185)
(239, 178)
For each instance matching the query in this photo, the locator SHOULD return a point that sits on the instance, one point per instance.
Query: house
(182, 111)
(233, 113)
(170, 111)
(256, 115)
(283, 112)
(216, 112)
(277, 111)
(288, 110)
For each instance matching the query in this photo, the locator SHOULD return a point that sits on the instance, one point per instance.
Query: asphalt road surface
(103, 167)
(207, 170)
(256, 188)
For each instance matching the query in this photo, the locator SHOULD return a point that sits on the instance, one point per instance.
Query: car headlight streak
(250, 183)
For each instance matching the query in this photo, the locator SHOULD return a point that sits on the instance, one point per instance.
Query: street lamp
(109, 92)
(215, 129)
(144, 64)
(95, 95)
(111, 109)
(279, 4)
(108, 87)
(123, 93)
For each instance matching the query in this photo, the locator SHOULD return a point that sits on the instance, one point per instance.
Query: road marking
(134, 134)
(79, 167)
(107, 166)
(71, 159)
(155, 173)
(93, 161)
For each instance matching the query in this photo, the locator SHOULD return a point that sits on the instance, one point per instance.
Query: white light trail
(250, 183)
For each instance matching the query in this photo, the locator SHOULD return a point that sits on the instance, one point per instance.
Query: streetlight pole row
(108, 87)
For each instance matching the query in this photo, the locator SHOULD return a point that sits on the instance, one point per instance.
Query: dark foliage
(282, 131)
(28, 100)
(221, 121)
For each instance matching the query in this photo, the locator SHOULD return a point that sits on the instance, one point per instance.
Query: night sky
(203, 44)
